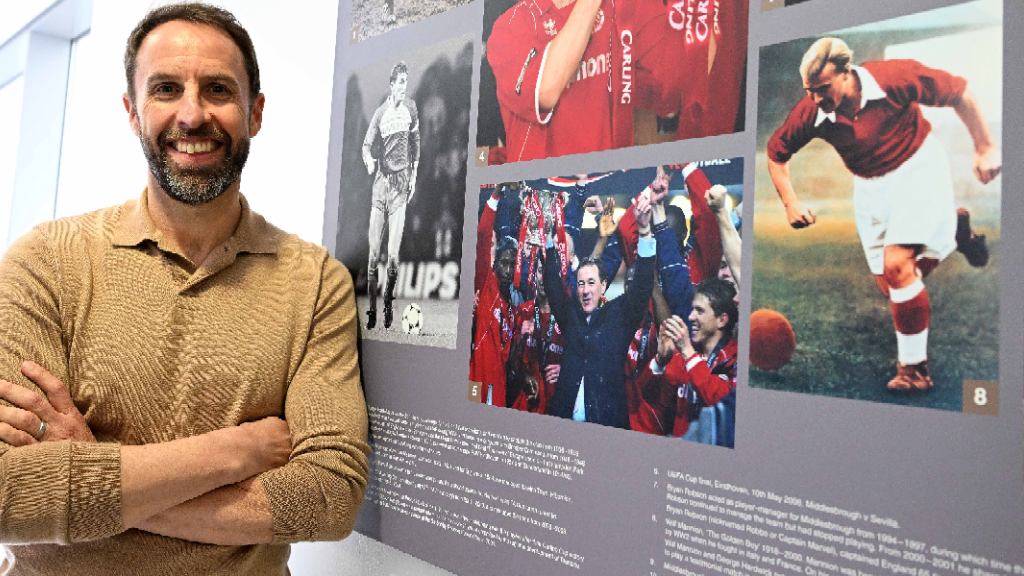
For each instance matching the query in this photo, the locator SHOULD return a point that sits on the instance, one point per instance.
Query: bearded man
(178, 372)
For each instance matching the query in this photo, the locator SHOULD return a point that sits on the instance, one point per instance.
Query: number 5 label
(981, 397)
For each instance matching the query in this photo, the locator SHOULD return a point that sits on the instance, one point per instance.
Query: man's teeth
(193, 147)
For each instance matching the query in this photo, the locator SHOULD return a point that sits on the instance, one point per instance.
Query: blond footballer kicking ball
(412, 319)
(772, 340)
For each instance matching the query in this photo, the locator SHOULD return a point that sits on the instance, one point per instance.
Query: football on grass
(412, 319)
(772, 340)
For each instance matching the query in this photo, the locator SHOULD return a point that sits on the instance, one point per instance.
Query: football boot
(971, 245)
(911, 377)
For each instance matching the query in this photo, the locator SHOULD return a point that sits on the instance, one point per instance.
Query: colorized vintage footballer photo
(403, 189)
(621, 74)
(375, 17)
(612, 298)
(877, 211)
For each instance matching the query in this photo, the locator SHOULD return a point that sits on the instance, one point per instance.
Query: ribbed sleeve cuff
(94, 509)
(288, 489)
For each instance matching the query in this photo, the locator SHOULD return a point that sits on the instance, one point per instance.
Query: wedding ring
(42, 430)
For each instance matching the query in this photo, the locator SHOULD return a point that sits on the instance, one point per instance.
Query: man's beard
(198, 185)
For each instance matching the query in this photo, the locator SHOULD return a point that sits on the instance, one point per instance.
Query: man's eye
(218, 89)
(164, 89)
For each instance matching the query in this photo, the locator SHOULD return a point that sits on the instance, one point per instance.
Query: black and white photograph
(403, 173)
(375, 17)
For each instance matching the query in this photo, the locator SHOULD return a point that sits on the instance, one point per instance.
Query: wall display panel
(375, 17)
(773, 4)
(887, 170)
(563, 78)
(633, 331)
(403, 176)
(814, 484)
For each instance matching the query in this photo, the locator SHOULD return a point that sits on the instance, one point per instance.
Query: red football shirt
(887, 131)
(547, 336)
(674, 77)
(493, 338)
(582, 121)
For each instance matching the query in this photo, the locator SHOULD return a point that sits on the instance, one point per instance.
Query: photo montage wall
(686, 286)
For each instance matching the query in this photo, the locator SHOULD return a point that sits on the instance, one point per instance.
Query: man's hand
(412, 182)
(270, 440)
(680, 334)
(642, 211)
(593, 204)
(551, 373)
(20, 424)
(606, 223)
(988, 164)
(666, 346)
(527, 328)
(800, 215)
(715, 197)
(659, 190)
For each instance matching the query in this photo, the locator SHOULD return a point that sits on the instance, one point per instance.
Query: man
(536, 357)
(903, 194)
(162, 345)
(590, 384)
(703, 373)
(391, 152)
(493, 308)
(565, 72)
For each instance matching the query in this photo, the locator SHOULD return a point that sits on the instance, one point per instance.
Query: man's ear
(133, 114)
(604, 286)
(722, 320)
(256, 115)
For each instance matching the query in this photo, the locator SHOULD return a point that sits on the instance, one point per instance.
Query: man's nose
(192, 112)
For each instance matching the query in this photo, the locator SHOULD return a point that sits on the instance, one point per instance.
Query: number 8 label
(981, 397)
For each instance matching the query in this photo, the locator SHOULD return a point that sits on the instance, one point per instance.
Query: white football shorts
(913, 204)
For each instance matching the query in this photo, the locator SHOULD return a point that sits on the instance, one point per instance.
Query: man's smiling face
(192, 111)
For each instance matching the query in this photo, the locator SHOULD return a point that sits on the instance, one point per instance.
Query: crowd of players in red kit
(660, 358)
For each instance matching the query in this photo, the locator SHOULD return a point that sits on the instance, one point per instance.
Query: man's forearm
(565, 51)
(156, 477)
(731, 243)
(969, 112)
(782, 181)
(233, 515)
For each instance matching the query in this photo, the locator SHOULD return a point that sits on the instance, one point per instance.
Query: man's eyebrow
(161, 77)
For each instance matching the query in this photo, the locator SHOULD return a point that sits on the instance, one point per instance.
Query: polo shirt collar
(253, 234)
(869, 90)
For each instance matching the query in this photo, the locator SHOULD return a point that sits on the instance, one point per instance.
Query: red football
(772, 340)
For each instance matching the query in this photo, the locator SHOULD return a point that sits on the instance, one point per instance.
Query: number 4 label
(981, 397)
(481, 156)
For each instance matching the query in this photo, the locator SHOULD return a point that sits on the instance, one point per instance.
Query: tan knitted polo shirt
(151, 352)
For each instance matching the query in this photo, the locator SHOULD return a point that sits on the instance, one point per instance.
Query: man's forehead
(587, 271)
(178, 43)
(824, 77)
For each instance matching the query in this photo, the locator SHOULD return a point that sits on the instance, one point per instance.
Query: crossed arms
(263, 481)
